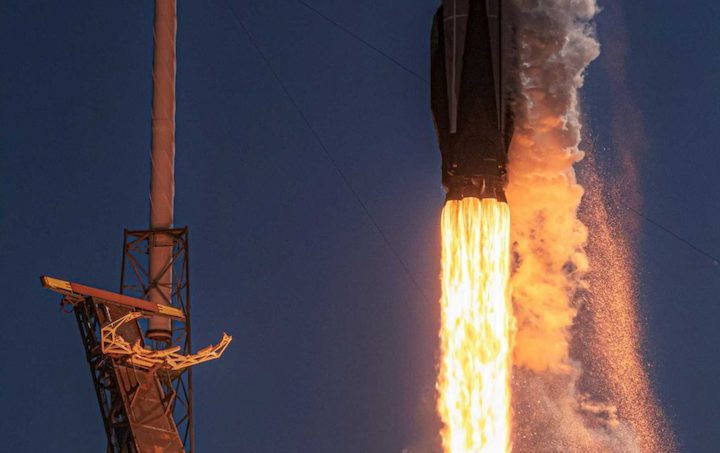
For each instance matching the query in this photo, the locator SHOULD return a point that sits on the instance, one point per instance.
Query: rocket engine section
(470, 96)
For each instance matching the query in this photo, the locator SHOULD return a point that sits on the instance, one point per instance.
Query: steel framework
(135, 281)
(143, 387)
(135, 404)
(107, 389)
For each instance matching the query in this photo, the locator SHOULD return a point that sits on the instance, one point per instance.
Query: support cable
(708, 255)
(365, 42)
(326, 152)
(712, 258)
(715, 261)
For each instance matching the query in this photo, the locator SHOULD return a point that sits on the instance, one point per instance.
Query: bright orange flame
(477, 321)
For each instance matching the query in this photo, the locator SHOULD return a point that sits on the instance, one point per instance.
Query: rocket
(470, 96)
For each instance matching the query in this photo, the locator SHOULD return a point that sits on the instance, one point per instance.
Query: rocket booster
(469, 93)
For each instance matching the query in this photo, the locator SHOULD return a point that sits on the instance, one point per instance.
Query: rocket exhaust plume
(474, 380)
(505, 82)
(553, 411)
(468, 105)
(555, 45)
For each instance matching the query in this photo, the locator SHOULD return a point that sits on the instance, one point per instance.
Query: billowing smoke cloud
(552, 416)
(555, 43)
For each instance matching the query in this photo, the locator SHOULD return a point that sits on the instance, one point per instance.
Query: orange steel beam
(77, 290)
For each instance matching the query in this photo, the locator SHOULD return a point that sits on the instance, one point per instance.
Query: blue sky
(334, 341)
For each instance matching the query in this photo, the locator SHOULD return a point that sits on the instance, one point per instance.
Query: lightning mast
(142, 370)
(162, 163)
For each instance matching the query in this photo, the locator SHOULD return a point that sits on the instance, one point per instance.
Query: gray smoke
(555, 42)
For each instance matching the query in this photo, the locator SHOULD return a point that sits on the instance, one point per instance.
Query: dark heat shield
(468, 98)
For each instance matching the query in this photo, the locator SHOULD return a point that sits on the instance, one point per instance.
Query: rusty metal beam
(81, 291)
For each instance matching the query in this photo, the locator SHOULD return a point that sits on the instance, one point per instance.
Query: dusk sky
(333, 311)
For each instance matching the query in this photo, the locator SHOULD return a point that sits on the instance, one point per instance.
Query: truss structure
(144, 388)
(135, 281)
(138, 356)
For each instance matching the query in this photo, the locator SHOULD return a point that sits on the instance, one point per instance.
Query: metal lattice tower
(141, 368)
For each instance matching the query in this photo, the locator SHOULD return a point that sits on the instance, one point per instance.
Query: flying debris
(470, 96)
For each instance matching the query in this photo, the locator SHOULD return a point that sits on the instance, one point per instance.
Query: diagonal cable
(326, 152)
(379, 51)
(706, 254)
(362, 40)
(676, 236)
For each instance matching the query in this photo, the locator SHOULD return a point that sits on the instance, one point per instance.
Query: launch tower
(142, 370)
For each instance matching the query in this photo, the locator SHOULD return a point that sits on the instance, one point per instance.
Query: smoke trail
(555, 43)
